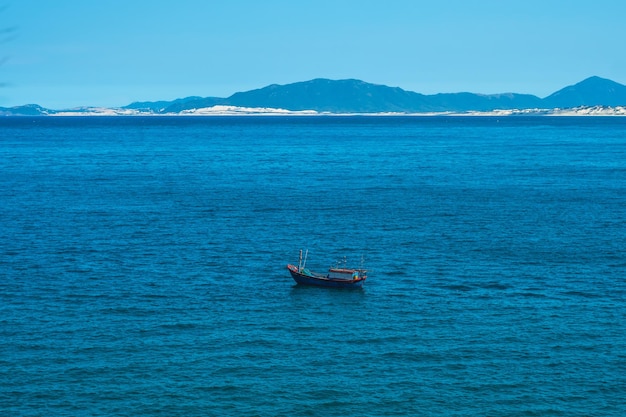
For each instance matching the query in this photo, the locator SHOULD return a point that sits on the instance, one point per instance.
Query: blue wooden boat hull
(321, 281)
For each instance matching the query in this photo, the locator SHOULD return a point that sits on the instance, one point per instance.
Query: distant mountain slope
(177, 106)
(593, 91)
(355, 96)
(482, 102)
(26, 110)
(323, 95)
(159, 106)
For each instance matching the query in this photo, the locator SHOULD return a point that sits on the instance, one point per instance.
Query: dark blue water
(142, 266)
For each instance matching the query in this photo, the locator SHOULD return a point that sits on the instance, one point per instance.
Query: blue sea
(142, 266)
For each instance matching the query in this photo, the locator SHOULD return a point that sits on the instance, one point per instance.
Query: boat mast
(300, 261)
(305, 256)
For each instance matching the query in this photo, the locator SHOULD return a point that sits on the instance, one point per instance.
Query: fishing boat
(337, 276)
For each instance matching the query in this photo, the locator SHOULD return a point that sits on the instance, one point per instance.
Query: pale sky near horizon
(68, 53)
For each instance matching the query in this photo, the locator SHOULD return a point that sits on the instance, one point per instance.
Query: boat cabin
(344, 273)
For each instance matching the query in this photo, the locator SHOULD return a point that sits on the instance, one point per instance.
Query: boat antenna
(300, 261)
(305, 256)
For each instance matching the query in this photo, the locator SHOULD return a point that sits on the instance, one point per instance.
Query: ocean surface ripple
(142, 266)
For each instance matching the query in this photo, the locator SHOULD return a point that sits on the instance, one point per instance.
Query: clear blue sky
(67, 53)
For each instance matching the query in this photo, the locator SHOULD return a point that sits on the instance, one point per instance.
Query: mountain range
(355, 96)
